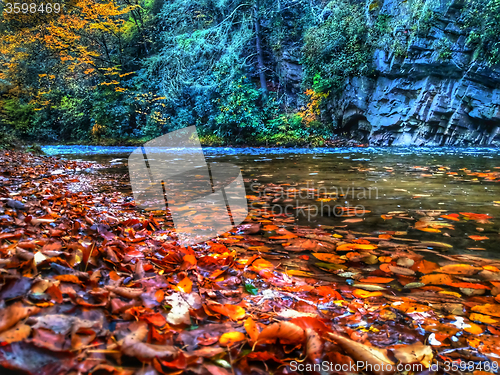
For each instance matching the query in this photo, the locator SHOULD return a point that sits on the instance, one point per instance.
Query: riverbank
(221, 142)
(11, 142)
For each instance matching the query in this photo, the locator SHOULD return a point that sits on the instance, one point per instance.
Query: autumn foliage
(90, 284)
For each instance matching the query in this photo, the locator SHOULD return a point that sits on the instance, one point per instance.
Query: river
(397, 183)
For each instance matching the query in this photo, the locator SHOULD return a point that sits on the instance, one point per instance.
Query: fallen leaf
(179, 313)
(17, 333)
(231, 338)
(487, 309)
(359, 293)
(286, 332)
(14, 313)
(231, 311)
(414, 353)
(437, 279)
(377, 359)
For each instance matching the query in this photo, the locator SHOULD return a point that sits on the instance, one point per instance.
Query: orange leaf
(284, 237)
(190, 259)
(252, 329)
(430, 230)
(491, 268)
(488, 309)
(469, 285)
(327, 291)
(483, 318)
(410, 307)
(233, 312)
(269, 228)
(473, 216)
(185, 285)
(425, 266)
(459, 269)
(453, 217)
(261, 264)
(68, 279)
(355, 246)
(478, 238)
(155, 319)
(307, 322)
(376, 280)
(438, 279)
(473, 328)
(159, 295)
(286, 332)
(386, 267)
(360, 293)
(330, 258)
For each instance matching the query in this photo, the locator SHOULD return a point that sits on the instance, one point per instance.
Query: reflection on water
(380, 180)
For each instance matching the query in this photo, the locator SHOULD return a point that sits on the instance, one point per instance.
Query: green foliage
(337, 48)
(239, 114)
(18, 116)
(7, 140)
(290, 130)
(168, 65)
(443, 47)
(211, 139)
(481, 19)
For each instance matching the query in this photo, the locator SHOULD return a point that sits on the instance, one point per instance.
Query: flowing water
(376, 181)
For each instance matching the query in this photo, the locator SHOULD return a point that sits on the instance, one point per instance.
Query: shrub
(337, 48)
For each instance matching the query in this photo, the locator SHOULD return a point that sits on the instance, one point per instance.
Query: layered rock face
(428, 97)
(432, 92)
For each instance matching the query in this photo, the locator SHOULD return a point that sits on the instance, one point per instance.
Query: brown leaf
(401, 270)
(17, 333)
(139, 272)
(459, 269)
(145, 351)
(133, 346)
(414, 353)
(129, 293)
(14, 313)
(376, 358)
(314, 345)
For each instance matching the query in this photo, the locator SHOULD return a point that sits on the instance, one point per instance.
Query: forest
(244, 72)
(250, 187)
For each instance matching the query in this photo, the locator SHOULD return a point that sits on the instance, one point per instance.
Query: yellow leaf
(483, 318)
(355, 246)
(488, 309)
(437, 279)
(330, 258)
(252, 329)
(231, 338)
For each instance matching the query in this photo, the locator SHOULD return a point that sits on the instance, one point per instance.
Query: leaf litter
(90, 284)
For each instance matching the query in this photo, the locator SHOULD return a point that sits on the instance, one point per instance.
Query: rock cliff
(428, 97)
(432, 92)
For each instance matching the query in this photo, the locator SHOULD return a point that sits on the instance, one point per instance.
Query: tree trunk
(260, 55)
